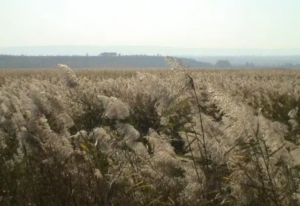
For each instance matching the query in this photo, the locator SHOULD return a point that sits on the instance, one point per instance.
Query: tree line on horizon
(104, 60)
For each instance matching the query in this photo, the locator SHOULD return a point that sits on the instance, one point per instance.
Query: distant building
(108, 54)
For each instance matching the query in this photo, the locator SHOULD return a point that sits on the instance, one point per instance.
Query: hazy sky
(266, 24)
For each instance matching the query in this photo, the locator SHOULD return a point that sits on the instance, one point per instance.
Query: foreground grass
(149, 137)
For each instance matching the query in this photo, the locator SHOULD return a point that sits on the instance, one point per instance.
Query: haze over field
(191, 27)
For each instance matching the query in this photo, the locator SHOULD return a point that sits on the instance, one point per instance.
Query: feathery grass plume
(190, 85)
(131, 138)
(79, 138)
(48, 122)
(116, 109)
(86, 110)
(39, 128)
(163, 158)
(263, 169)
(69, 78)
(272, 142)
(11, 123)
(59, 121)
(3, 145)
(103, 140)
(33, 142)
(109, 107)
(193, 190)
(174, 63)
(293, 125)
(98, 175)
(128, 132)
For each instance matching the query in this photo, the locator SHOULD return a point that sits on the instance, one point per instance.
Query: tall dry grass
(172, 137)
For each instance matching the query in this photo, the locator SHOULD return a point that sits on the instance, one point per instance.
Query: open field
(149, 137)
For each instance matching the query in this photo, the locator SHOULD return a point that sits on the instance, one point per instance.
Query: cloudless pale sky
(266, 24)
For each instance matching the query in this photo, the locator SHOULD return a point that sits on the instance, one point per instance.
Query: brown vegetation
(128, 137)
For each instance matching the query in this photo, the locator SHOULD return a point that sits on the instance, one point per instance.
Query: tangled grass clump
(176, 137)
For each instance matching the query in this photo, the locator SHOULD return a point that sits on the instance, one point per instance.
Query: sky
(249, 24)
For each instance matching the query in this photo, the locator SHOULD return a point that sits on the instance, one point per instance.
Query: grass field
(149, 137)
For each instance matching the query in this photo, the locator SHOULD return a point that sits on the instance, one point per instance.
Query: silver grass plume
(174, 63)
(104, 140)
(293, 119)
(31, 141)
(78, 138)
(52, 108)
(114, 108)
(101, 139)
(69, 77)
(128, 132)
(131, 138)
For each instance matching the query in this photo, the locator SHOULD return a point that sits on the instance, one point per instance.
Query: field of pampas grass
(149, 137)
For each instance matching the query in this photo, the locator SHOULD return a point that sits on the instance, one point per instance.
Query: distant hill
(258, 61)
(106, 61)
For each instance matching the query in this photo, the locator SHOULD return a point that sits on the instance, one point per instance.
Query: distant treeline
(105, 61)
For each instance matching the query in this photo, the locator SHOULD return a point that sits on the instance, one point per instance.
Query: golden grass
(149, 137)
